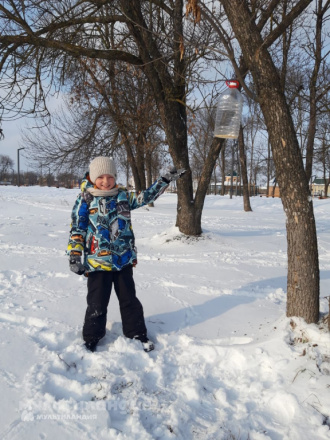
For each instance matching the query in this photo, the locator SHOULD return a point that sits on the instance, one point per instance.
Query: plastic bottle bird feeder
(229, 112)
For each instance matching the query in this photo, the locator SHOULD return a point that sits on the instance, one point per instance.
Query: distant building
(236, 178)
(237, 189)
(318, 187)
(273, 191)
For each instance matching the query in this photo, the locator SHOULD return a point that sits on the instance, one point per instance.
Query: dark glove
(75, 264)
(173, 175)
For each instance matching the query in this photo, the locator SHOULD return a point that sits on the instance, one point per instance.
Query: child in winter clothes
(101, 246)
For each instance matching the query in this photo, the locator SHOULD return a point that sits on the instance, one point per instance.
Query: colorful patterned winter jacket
(101, 227)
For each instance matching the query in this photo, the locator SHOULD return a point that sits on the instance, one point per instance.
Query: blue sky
(13, 134)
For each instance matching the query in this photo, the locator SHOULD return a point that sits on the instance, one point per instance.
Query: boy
(101, 231)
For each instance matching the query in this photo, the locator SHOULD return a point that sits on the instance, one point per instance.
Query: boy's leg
(99, 288)
(130, 307)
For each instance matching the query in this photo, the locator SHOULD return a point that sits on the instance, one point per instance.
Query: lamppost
(18, 150)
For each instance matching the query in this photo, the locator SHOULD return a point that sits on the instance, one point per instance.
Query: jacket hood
(86, 183)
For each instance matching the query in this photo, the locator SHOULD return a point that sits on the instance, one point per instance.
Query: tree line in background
(8, 176)
(142, 80)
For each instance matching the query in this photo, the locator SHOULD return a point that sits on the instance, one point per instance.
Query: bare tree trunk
(238, 171)
(170, 95)
(188, 218)
(205, 177)
(232, 170)
(215, 178)
(268, 169)
(313, 89)
(121, 126)
(326, 181)
(140, 161)
(127, 175)
(242, 159)
(149, 172)
(134, 168)
(251, 164)
(149, 168)
(223, 169)
(303, 269)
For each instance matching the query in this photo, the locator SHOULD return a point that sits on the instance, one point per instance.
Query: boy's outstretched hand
(173, 175)
(75, 265)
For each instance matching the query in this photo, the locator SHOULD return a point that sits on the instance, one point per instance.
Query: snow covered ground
(227, 365)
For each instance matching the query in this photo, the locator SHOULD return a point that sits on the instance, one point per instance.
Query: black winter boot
(146, 343)
(91, 345)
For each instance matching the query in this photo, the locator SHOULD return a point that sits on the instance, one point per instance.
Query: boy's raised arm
(155, 190)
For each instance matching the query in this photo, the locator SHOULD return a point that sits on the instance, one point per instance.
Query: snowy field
(228, 364)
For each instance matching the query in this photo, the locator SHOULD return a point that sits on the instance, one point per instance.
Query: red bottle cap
(232, 84)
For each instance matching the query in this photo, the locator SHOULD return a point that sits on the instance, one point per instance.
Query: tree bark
(325, 177)
(223, 169)
(149, 172)
(242, 159)
(149, 167)
(140, 160)
(268, 169)
(303, 269)
(204, 181)
(215, 179)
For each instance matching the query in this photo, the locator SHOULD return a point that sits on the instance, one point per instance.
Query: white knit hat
(102, 165)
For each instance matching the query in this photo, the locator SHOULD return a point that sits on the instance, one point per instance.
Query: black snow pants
(99, 285)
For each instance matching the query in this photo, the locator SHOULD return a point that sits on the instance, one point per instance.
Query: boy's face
(105, 182)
